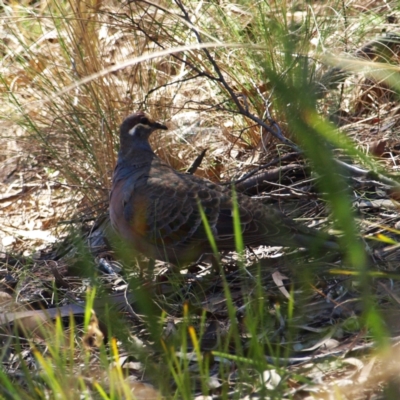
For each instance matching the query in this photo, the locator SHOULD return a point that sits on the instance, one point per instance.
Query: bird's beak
(156, 125)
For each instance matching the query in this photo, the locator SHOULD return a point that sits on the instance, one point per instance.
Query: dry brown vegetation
(216, 73)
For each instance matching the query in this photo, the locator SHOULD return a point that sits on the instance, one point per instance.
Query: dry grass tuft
(71, 71)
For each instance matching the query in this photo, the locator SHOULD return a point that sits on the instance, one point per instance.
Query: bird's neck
(139, 155)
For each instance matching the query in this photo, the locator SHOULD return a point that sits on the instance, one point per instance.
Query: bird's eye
(145, 121)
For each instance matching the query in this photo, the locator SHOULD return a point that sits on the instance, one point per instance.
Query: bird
(156, 210)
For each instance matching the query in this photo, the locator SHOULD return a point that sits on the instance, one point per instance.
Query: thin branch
(242, 110)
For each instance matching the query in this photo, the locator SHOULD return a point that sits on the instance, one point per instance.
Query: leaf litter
(329, 346)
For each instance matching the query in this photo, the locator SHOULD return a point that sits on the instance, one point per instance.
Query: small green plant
(245, 80)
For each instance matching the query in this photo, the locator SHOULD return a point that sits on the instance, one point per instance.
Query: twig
(261, 167)
(367, 173)
(220, 78)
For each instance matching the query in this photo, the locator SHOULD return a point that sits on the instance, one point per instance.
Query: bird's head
(135, 132)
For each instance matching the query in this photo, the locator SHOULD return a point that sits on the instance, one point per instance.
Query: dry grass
(59, 149)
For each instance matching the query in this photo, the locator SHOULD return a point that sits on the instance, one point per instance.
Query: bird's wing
(259, 224)
(162, 207)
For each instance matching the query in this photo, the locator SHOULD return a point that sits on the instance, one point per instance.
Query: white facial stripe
(132, 130)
